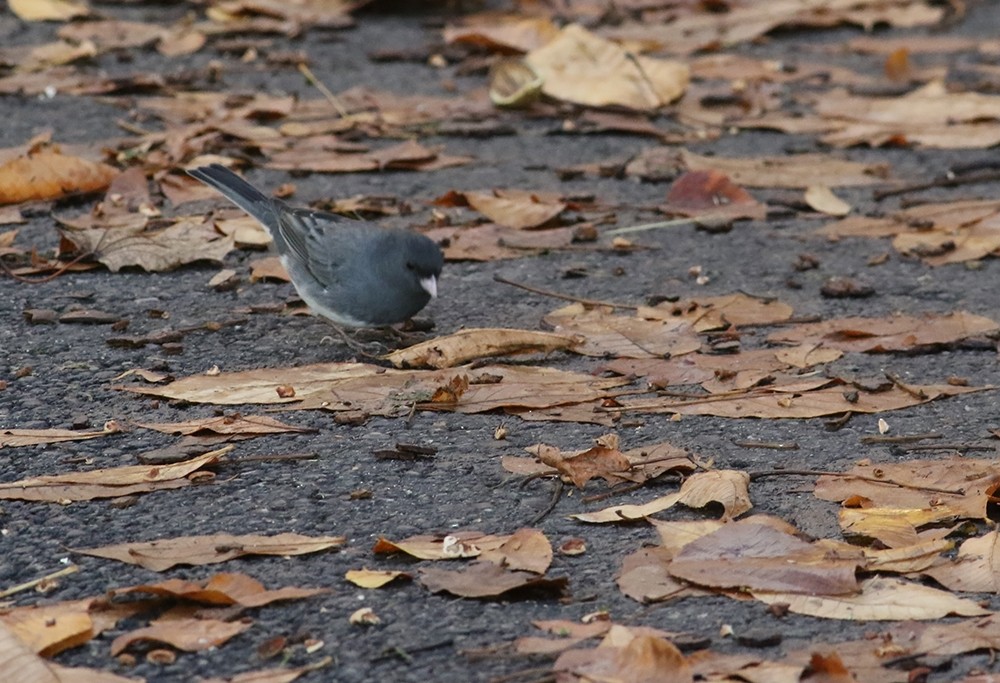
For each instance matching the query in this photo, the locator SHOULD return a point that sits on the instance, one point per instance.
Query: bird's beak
(430, 285)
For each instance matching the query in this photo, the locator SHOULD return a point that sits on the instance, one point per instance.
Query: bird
(353, 273)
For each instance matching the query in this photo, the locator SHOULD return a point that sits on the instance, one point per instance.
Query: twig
(943, 181)
(915, 393)
(775, 445)
(272, 458)
(48, 278)
(902, 438)
(316, 83)
(666, 224)
(28, 585)
(557, 492)
(564, 297)
(823, 473)
(613, 492)
(951, 447)
(404, 654)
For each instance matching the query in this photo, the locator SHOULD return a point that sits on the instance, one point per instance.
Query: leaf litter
(898, 520)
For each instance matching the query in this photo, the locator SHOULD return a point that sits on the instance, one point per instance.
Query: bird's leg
(352, 344)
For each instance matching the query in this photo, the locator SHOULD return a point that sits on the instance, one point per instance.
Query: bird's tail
(238, 191)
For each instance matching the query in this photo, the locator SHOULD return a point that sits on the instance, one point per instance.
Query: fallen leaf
(749, 555)
(243, 425)
(487, 580)
(49, 10)
(472, 344)
(112, 482)
(727, 487)
(223, 589)
(880, 599)
(32, 437)
(526, 549)
(822, 199)
(372, 578)
(580, 67)
(190, 635)
(896, 333)
(49, 174)
(197, 550)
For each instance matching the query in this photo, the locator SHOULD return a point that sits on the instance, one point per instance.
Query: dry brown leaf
(894, 527)
(50, 174)
(881, 335)
(504, 33)
(711, 195)
(881, 599)
(957, 483)
(526, 549)
(712, 30)
(487, 580)
(190, 635)
(931, 116)
(720, 312)
(370, 389)
(50, 629)
(187, 240)
(493, 242)
(976, 569)
(814, 397)
(950, 638)
(48, 10)
(243, 425)
(312, 154)
(726, 373)
(223, 589)
(579, 468)
(821, 198)
(605, 334)
(511, 208)
(580, 67)
(374, 578)
(472, 344)
(16, 657)
(726, 487)
(794, 171)
(32, 437)
(644, 577)
(108, 483)
(940, 233)
(197, 550)
(757, 556)
(275, 675)
(455, 546)
(642, 658)
(907, 559)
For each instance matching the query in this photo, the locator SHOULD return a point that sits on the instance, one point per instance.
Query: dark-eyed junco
(354, 273)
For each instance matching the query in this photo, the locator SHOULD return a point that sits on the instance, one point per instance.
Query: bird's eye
(410, 266)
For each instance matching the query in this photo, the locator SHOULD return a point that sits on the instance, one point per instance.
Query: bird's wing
(329, 247)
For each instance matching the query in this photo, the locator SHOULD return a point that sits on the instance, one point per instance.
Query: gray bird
(353, 273)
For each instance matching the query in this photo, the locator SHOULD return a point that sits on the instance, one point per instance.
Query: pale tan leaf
(190, 635)
(821, 198)
(472, 344)
(881, 599)
(372, 578)
(197, 550)
(108, 483)
(581, 67)
(48, 10)
(33, 437)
